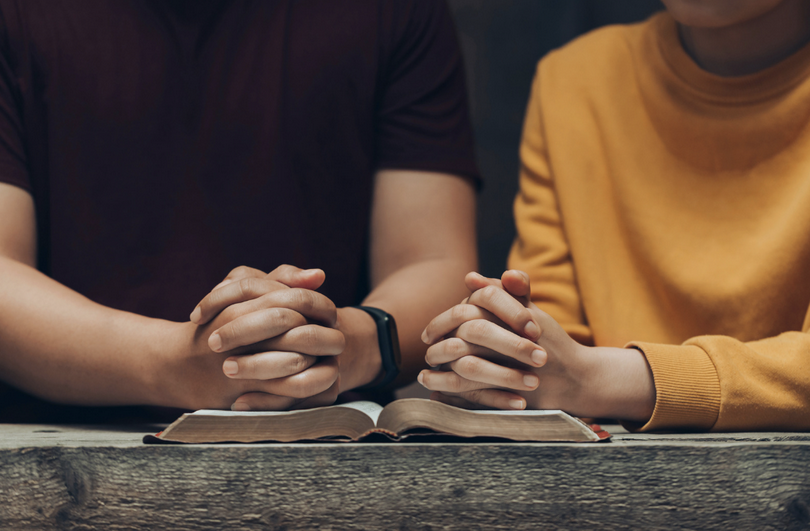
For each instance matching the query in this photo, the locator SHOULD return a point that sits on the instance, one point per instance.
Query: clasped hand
(497, 349)
(278, 335)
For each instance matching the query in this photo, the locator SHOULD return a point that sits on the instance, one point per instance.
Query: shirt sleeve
(541, 247)
(423, 118)
(13, 162)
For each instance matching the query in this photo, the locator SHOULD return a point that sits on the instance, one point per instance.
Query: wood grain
(643, 482)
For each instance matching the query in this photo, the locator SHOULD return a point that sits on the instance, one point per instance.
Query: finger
(518, 285)
(254, 327)
(263, 402)
(308, 383)
(296, 277)
(266, 365)
(507, 309)
(472, 373)
(484, 398)
(452, 349)
(447, 382)
(475, 281)
(447, 321)
(238, 273)
(489, 335)
(475, 369)
(454, 400)
(311, 304)
(327, 398)
(311, 339)
(233, 292)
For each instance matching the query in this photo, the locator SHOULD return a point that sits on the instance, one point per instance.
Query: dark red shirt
(166, 142)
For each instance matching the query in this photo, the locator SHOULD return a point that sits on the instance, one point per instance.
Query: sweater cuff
(686, 385)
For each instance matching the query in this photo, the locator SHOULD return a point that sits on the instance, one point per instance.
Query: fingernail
(420, 379)
(516, 404)
(530, 380)
(230, 367)
(425, 338)
(196, 314)
(215, 342)
(539, 357)
(240, 406)
(531, 330)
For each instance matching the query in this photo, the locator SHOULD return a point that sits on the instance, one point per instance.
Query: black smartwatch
(389, 348)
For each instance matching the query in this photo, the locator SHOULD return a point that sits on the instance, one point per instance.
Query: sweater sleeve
(722, 384)
(541, 248)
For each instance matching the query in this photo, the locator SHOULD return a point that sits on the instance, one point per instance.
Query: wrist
(166, 357)
(360, 362)
(619, 384)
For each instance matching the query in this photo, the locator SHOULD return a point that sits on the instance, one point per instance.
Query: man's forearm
(414, 295)
(58, 345)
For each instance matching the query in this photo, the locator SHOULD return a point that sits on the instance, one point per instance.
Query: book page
(367, 407)
(513, 412)
(402, 416)
(228, 413)
(371, 409)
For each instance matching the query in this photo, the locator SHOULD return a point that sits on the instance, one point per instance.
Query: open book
(357, 420)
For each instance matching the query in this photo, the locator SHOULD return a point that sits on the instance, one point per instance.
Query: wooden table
(103, 477)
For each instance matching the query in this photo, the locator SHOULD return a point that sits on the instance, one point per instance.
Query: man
(149, 147)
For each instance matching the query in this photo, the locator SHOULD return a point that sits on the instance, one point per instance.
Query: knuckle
(455, 347)
(517, 344)
(305, 299)
(471, 367)
(489, 293)
(231, 331)
(230, 313)
(278, 317)
(286, 269)
(308, 336)
(299, 363)
(477, 329)
(287, 318)
(523, 315)
(454, 383)
(249, 288)
(239, 271)
(473, 396)
(458, 312)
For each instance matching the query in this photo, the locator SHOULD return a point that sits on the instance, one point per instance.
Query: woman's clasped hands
(499, 350)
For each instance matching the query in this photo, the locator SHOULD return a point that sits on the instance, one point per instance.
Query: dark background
(502, 41)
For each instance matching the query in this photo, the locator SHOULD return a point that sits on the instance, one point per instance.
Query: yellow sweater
(668, 209)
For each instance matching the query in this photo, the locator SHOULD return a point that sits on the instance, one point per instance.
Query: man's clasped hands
(280, 344)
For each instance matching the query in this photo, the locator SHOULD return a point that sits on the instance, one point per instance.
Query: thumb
(517, 284)
(295, 277)
(475, 281)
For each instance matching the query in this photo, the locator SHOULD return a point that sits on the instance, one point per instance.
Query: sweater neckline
(751, 88)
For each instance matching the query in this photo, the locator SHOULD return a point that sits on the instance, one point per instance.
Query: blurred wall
(502, 41)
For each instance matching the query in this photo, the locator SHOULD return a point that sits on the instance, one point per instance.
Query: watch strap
(389, 347)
